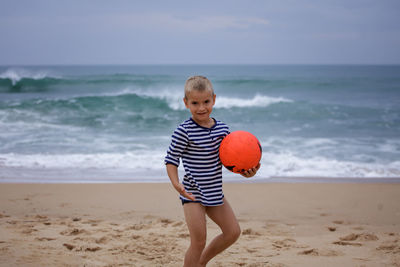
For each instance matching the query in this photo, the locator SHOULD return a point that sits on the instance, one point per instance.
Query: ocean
(113, 123)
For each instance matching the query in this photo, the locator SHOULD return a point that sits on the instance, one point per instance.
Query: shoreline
(142, 224)
(226, 180)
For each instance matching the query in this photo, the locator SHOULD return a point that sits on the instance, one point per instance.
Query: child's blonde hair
(199, 83)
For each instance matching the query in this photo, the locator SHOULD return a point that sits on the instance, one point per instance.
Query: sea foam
(173, 97)
(142, 164)
(256, 101)
(290, 165)
(16, 75)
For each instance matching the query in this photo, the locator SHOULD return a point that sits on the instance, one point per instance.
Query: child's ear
(186, 102)
(214, 96)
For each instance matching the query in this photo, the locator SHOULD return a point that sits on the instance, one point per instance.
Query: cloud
(139, 22)
(192, 24)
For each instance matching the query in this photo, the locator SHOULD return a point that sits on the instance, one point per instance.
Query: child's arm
(172, 171)
(251, 172)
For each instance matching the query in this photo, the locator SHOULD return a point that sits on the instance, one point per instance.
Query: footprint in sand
(346, 243)
(332, 228)
(178, 224)
(251, 250)
(91, 221)
(75, 231)
(13, 222)
(45, 238)
(28, 230)
(41, 217)
(139, 226)
(287, 244)
(250, 232)
(320, 252)
(359, 237)
(3, 216)
(91, 249)
(82, 248)
(69, 246)
(102, 240)
(185, 235)
(136, 236)
(345, 240)
(166, 221)
(392, 247)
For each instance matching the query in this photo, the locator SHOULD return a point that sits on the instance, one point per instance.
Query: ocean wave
(290, 165)
(256, 101)
(15, 76)
(112, 114)
(139, 159)
(22, 80)
(141, 163)
(16, 80)
(174, 98)
(329, 157)
(101, 167)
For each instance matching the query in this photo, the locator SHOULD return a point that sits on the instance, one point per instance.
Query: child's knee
(237, 232)
(234, 234)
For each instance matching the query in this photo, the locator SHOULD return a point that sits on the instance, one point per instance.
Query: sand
(287, 224)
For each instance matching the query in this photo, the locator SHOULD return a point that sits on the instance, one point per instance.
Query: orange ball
(240, 151)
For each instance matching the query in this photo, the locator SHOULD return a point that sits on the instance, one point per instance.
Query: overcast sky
(199, 32)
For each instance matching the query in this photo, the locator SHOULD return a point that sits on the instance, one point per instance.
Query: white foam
(174, 98)
(256, 101)
(15, 75)
(141, 166)
(145, 162)
(139, 160)
(290, 165)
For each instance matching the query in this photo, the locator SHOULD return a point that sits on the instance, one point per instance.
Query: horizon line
(199, 64)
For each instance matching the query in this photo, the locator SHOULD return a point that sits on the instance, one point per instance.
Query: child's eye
(207, 101)
(194, 103)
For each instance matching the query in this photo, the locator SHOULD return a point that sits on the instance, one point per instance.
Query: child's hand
(251, 172)
(182, 191)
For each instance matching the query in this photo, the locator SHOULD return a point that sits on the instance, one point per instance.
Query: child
(197, 142)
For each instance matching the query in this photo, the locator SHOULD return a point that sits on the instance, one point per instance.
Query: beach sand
(283, 224)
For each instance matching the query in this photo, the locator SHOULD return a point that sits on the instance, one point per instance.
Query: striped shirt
(198, 147)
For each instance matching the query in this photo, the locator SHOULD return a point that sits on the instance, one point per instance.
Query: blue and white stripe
(198, 147)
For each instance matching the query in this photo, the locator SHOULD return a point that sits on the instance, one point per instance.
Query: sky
(44, 32)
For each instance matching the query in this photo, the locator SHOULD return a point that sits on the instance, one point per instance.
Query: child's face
(200, 105)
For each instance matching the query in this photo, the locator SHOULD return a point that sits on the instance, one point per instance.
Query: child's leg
(195, 215)
(224, 217)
